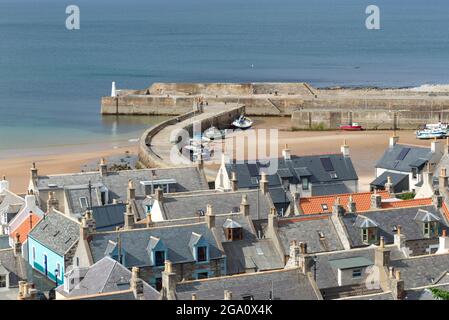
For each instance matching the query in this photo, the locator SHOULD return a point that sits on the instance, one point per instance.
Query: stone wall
(369, 119)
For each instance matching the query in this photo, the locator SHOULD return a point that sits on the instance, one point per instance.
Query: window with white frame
(84, 203)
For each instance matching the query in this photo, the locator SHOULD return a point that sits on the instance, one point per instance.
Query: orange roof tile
(445, 210)
(23, 229)
(407, 203)
(314, 205)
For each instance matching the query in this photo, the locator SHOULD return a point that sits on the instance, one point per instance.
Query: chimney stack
(52, 202)
(244, 206)
(159, 195)
(136, 283)
(437, 199)
(264, 183)
(227, 295)
(168, 291)
(131, 192)
(34, 175)
(4, 184)
(286, 153)
(272, 221)
(443, 179)
(382, 254)
(129, 218)
(84, 229)
(17, 246)
(389, 186)
(393, 140)
(443, 246)
(345, 149)
(399, 238)
(435, 147)
(351, 205)
(234, 182)
(376, 200)
(397, 286)
(103, 168)
(210, 217)
(200, 161)
(337, 208)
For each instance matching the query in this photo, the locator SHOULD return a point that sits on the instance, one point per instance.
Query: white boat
(242, 122)
(195, 150)
(435, 126)
(431, 133)
(213, 133)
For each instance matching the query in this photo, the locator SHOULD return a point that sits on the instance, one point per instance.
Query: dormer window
(202, 253)
(368, 229)
(233, 230)
(84, 203)
(159, 258)
(429, 223)
(305, 183)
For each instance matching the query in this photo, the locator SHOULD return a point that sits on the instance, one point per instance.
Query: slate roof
(308, 230)
(329, 188)
(396, 178)
(285, 284)
(56, 232)
(134, 243)
(306, 166)
(106, 275)
(187, 179)
(250, 252)
(17, 266)
(108, 217)
(390, 159)
(326, 273)
(10, 203)
(188, 205)
(387, 219)
(422, 270)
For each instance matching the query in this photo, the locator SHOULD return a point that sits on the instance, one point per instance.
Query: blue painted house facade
(51, 245)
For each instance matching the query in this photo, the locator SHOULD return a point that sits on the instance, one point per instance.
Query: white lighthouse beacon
(113, 90)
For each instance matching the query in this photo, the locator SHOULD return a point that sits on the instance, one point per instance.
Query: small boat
(213, 133)
(194, 151)
(242, 122)
(435, 126)
(430, 134)
(351, 127)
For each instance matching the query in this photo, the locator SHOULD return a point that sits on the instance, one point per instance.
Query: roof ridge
(344, 194)
(151, 228)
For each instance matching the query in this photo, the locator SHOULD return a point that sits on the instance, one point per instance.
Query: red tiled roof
(314, 205)
(23, 229)
(407, 203)
(445, 210)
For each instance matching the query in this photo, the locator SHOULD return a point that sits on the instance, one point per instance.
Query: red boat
(351, 127)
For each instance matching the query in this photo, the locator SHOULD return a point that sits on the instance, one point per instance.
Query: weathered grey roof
(422, 270)
(329, 189)
(309, 231)
(187, 179)
(188, 205)
(74, 193)
(106, 275)
(284, 285)
(109, 217)
(134, 243)
(349, 263)
(376, 296)
(306, 166)
(10, 203)
(396, 178)
(56, 232)
(391, 158)
(387, 220)
(17, 266)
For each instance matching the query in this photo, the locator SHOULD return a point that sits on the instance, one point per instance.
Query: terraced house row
(305, 232)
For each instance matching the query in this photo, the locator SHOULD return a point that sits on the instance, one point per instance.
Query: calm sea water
(51, 79)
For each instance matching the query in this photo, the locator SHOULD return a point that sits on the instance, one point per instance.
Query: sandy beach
(365, 148)
(56, 160)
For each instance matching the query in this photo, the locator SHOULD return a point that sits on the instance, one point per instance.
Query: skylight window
(327, 164)
(403, 154)
(324, 207)
(333, 175)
